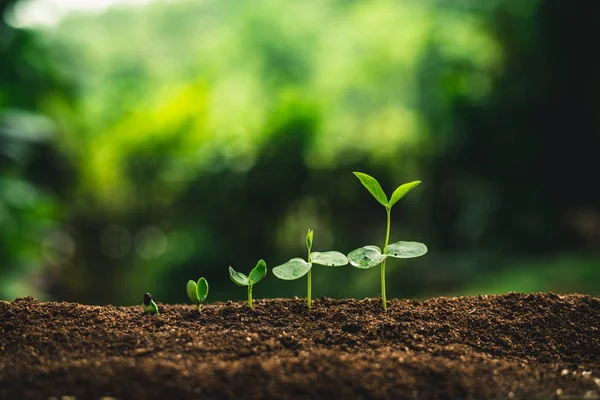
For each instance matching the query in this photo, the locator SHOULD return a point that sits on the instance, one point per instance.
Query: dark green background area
(144, 146)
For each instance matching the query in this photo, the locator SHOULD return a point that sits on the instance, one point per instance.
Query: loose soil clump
(487, 347)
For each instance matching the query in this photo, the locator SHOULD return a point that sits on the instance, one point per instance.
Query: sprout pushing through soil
(197, 292)
(255, 276)
(297, 267)
(149, 305)
(370, 256)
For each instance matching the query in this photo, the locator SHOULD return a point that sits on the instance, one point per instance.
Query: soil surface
(488, 347)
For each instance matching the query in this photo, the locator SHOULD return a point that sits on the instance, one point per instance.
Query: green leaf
(401, 191)
(373, 187)
(293, 269)
(192, 292)
(202, 289)
(406, 249)
(238, 278)
(328, 258)
(366, 257)
(258, 272)
(309, 239)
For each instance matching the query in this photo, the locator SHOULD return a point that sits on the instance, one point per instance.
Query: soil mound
(510, 346)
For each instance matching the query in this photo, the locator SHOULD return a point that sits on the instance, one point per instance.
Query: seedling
(256, 275)
(197, 292)
(370, 256)
(149, 305)
(297, 267)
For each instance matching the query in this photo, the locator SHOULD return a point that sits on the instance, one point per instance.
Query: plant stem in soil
(387, 241)
(309, 287)
(250, 296)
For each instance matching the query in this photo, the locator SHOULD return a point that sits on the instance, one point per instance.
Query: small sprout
(197, 292)
(149, 305)
(370, 256)
(297, 267)
(256, 275)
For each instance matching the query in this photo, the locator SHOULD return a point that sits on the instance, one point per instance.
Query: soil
(488, 347)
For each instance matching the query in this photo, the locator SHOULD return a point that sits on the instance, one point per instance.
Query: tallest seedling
(370, 256)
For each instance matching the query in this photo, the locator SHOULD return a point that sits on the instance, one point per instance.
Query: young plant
(149, 305)
(197, 292)
(256, 275)
(370, 256)
(297, 267)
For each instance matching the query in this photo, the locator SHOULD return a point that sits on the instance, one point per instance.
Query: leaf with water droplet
(406, 250)
(328, 258)
(366, 257)
(293, 269)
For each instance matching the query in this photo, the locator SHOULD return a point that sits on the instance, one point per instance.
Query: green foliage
(297, 267)
(197, 292)
(366, 257)
(373, 187)
(255, 276)
(293, 269)
(370, 256)
(149, 305)
(406, 250)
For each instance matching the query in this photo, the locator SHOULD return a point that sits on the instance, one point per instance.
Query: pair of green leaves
(375, 189)
(298, 267)
(197, 292)
(370, 256)
(255, 276)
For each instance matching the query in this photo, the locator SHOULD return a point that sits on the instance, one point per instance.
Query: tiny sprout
(370, 256)
(256, 275)
(297, 267)
(149, 305)
(197, 292)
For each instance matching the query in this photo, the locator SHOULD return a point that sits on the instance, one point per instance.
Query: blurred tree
(218, 132)
(31, 173)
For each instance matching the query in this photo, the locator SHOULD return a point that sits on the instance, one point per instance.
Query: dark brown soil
(487, 347)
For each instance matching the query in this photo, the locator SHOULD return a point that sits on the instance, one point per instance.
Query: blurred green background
(159, 141)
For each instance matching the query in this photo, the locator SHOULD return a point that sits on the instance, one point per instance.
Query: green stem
(387, 241)
(250, 296)
(199, 307)
(309, 287)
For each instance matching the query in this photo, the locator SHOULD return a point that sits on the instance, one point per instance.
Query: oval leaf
(202, 289)
(373, 187)
(293, 269)
(406, 249)
(191, 292)
(328, 258)
(401, 191)
(238, 278)
(366, 257)
(258, 272)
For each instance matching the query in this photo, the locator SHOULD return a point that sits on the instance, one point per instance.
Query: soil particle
(514, 346)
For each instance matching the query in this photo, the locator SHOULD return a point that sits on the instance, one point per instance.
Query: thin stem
(199, 307)
(387, 241)
(309, 283)
(250, 296)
